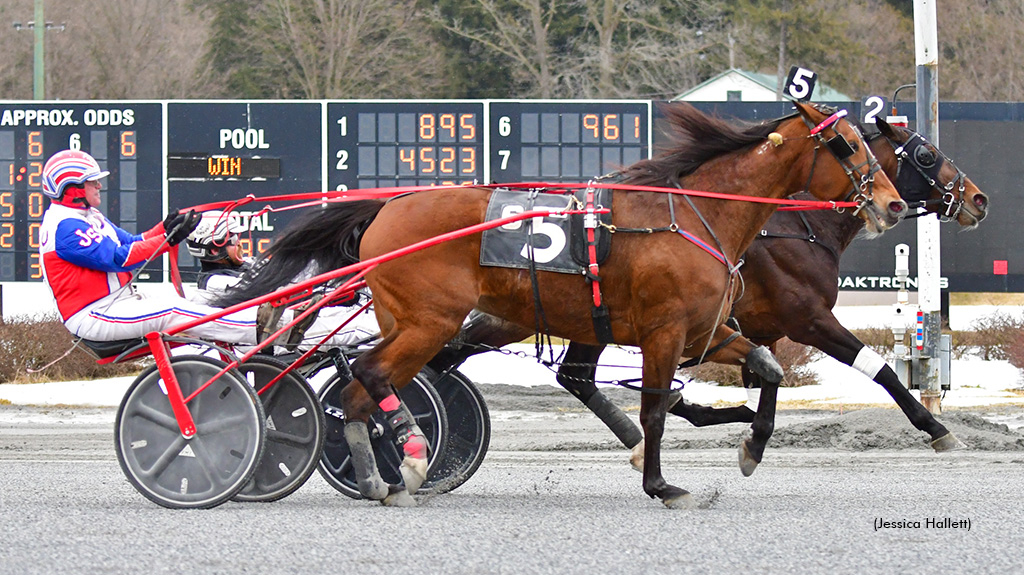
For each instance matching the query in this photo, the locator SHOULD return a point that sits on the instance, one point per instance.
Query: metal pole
(928, 249)
(38, 77)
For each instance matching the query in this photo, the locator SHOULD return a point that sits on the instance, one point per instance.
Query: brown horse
(791, 265)
(663, 293)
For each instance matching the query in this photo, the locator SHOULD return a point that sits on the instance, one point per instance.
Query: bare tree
(124, 49)
(645, 48)
(519, 30)
(980, 50)
(16, 47)
(348, 48)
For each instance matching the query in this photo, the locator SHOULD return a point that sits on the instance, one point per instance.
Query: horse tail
(317, 242)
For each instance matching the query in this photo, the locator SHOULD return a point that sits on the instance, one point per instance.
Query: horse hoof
(948, 442)
(684, 501)
(414, 473)
(636, 458)
(373, 488)
(399, 499)
(747, 462)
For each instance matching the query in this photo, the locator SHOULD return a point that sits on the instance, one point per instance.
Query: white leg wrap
(868, 362)
(753, 398)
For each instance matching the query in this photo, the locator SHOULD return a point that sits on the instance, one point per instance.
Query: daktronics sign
(881, 283)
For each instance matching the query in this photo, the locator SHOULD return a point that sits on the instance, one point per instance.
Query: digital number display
(222, 167)
(374, 145)
(223, 151)
(126, 140)
(566, 141)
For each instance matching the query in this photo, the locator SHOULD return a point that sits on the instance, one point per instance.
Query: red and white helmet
(69, 167)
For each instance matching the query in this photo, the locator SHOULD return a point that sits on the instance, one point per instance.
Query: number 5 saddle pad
(558, 242)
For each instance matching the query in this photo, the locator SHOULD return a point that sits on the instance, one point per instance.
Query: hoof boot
(948, 442)
(684, 501)
(747, 462)
(636, 458)
(414, 473)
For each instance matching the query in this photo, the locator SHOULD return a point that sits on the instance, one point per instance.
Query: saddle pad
(507, 246)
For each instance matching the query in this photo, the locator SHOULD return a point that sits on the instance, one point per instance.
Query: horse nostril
(981, 201)
(897, 207)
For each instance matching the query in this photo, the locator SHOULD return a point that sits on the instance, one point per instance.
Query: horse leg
(661, 352)
(732, 354)
(375, 372)
(827, 334)
(765, 373)
(579, 381)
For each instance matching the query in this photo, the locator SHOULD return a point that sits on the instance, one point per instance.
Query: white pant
(361, 327)
(125, 315)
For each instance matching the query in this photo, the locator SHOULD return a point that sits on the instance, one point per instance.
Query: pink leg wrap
(390, 403)
(416, 447)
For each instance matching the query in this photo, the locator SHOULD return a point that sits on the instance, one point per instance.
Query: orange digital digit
(263, 245)
(592, 123)
(35, 205)
(245, 248)
(35, 144)
(33, 266)
(611, 127)
(33, 176)
(427, 161)
(427, 127)
(447, 160)
(10, 175)
(447, 122)
(408, 156)
(6, 205)
(33, 234)
(7, 235)
(468, 124)
(636, 127)
(128, 144)
(468, 161)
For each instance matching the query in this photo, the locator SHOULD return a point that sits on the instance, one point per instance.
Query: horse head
(927, 178)
(848, 157)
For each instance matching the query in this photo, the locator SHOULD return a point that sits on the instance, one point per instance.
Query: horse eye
(855, 145)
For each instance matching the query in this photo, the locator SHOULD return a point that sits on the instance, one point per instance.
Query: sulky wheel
(295, 431)
(336, 462)
(207, 469)
(469, 431)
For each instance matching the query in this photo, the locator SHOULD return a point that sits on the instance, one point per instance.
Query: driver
(87, 263)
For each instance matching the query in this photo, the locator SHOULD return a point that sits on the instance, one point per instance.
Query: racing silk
(85, 257)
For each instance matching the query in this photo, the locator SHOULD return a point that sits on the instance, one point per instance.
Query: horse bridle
(842, 151)
(926, 163)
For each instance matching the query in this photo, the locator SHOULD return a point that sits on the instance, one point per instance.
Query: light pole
(38, 26)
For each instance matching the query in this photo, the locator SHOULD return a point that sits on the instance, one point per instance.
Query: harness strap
(599, 313)
(540, 321)
(810, 236)
(693, 362)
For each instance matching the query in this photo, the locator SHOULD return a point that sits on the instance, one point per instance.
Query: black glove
(182, 226)
(170, 220)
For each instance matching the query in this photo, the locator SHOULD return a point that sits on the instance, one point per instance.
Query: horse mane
(696, 137)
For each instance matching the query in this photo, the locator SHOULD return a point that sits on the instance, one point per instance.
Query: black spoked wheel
(206, 469)
(469, 430)
(336, 461)
(295, 431)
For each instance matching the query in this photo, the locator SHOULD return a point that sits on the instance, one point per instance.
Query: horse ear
(808, 111)
(886, 129)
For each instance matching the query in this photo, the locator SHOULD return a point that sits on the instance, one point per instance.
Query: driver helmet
(69, 168)
(215, 231)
